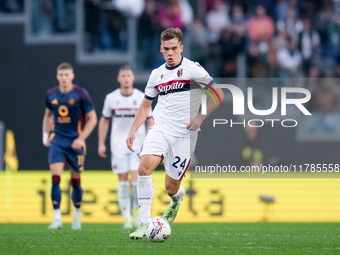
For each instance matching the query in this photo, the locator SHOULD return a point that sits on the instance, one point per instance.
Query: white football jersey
(172, 84)
(122, 110)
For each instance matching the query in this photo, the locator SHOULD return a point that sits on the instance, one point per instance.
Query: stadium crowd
(282, 38)
(256, 38)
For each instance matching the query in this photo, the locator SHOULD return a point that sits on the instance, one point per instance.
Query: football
(157, 229)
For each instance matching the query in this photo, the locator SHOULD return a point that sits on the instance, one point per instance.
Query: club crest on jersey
(180, 72)
(71, 101)
(54, 101)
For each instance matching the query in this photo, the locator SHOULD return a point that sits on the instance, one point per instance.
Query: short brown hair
(65, 66)
(125, 67)
(171, 33)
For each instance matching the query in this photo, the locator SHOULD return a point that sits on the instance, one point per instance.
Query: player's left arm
(149, 123)
(46, 127)
(149, 120)
(197, 121)
(91, 122)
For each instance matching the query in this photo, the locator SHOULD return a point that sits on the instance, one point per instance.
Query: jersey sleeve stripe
(211, 82)
(149, 98)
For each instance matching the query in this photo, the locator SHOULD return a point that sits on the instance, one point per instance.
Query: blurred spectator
(309, 8)
(327, 25)
(105, 27)
(217, 19)
(238, 20)
(42, 15)
(11, 6)
(314, 72)
(169, 15)
(289, 59)
(53, 17)
(210, 4)
(92, 20)
(117, 27)
(148, 35)
(257, 62)
(273, 65)
(198, 41)
(291, 25)
(133, 8)
(230, 44)
(64, 16)
(333, 35)
(281, 9)
(260, 26)
(308, 43)
(268, 5)
(187, 12)
(279, 39)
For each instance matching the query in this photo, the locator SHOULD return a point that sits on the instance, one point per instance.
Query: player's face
(126, 78)
(172, 50)
(65, 77)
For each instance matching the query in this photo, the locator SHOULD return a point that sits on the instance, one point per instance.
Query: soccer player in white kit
(174, 135)
(121, 105)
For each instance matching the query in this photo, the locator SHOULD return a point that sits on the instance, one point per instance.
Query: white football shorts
(176, 151)
(124, 163)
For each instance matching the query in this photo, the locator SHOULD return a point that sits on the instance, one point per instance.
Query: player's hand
(102, 151)
(129, 141)
(78, 143)
(46, 139)
(195, 123)
(47, 143)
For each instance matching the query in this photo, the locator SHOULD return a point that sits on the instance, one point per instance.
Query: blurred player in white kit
(120, 107)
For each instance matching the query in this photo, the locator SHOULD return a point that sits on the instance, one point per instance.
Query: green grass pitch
(207, 238)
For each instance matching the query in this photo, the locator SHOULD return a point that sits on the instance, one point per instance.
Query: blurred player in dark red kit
(70, 110)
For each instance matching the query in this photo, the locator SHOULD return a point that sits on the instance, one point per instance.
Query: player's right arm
(46, 127)
(140, 117)
(103, 128)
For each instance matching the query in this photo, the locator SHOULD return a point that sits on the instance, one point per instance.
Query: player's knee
(144, 169)
(123, 177)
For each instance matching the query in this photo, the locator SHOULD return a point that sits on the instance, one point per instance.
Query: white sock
(124, 199)
(135, 207)
(134, 196)
(76, 214)
(145, 193)
(177, 198)
(57, 214)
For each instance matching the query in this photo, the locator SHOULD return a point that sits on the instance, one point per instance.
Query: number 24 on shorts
(177, 161)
